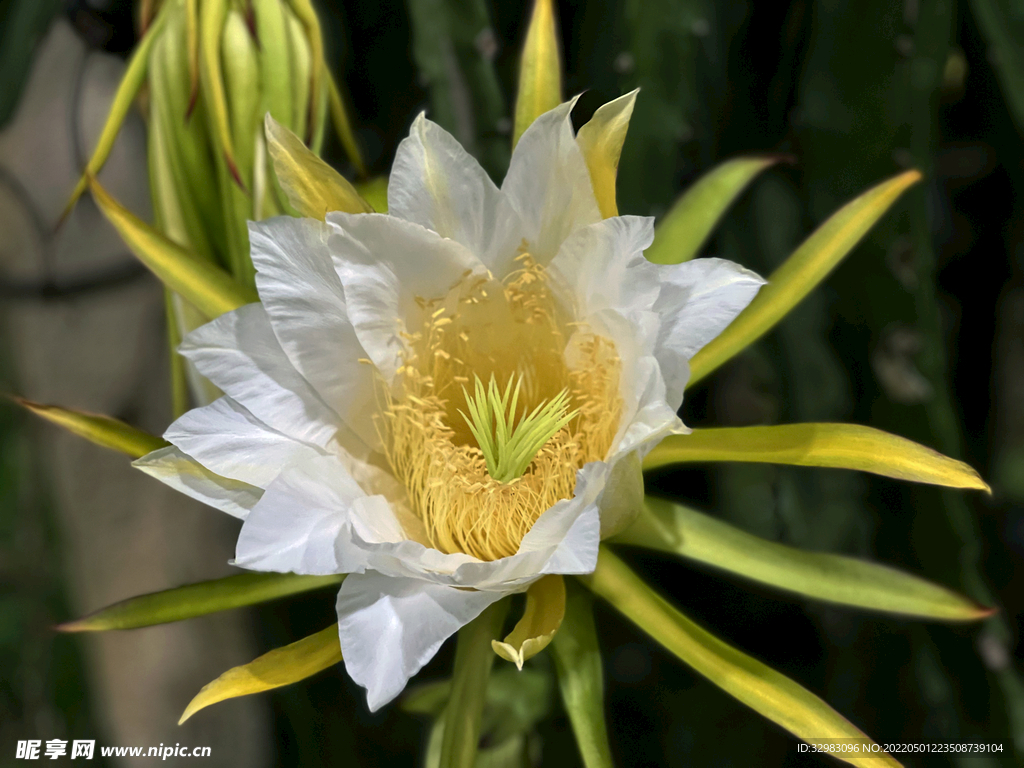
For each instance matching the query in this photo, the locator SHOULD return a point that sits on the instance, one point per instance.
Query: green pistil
(509, 448)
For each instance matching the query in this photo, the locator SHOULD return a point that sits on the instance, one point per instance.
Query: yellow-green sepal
(600, 141)
(304, 12)
(311, 185)
(198, 600)
(838, 446)
(540, 70)
(127, 90)
(210, 289)
(375, 192)
(581, 678)
(801, 272)
(281, 666)
(757, 685)
(212, 17)
(104, 431)
(545, 608)
(275, 74)
(682, 231)
(675, 528)
(192, 49)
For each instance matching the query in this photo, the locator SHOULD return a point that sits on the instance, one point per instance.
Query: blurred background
(920, 332)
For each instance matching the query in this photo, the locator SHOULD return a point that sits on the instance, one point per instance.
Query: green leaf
(600, 141)
(760, 687)
(198, 600)
(683, 230)
(545, 607)
(127, 89)
(208, 288)
(473, 661)
(312, 186)
(540, 71)
(801, 272)
(1002, 24)
(101, 430)
(281, 666)
(675, 528)
(840, 446)
(581, 678)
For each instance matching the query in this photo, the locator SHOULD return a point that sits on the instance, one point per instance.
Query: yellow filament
(510, 330)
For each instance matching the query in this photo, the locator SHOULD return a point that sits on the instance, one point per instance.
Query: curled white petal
(385, 264)
(437, 184)
(698, 300)
(549, 185)
(225, 438)
(305, 302)
(240, 354)
(390, 627)
(186, 475)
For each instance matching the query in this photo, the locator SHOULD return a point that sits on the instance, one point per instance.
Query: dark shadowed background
(919, 332)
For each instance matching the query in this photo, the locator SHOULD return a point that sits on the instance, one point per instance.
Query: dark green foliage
(920, 332)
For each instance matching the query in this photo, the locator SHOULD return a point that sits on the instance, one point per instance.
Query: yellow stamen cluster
(510, 331)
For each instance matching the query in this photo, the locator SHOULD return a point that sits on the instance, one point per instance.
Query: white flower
(340, 441)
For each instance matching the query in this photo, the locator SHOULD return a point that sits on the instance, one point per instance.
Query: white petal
(549, 185)
(390, 627)
(437, 184)
(305, 301)
(299, 526)
(186, 475)
(225, 438)
(240, 354)
(623, 495)
(386, 264)
(564, 540)
(698, 300)
(602, 266)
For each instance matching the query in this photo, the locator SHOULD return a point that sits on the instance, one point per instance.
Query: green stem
(473, 661)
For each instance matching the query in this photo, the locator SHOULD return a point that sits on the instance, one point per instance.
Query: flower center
(509, 447)
(480, 468)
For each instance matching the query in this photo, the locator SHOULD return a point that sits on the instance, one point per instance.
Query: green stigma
(508, 447)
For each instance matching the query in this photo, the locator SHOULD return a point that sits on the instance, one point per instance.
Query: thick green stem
(473, 661)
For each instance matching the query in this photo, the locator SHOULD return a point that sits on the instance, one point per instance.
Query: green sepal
(682, 231)
(198, 600)
(581, 677)
(838, 446)
(207, 287)
(127, 89)
(675, 528)
(801, 273)
(760, 687)
(104, 431)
